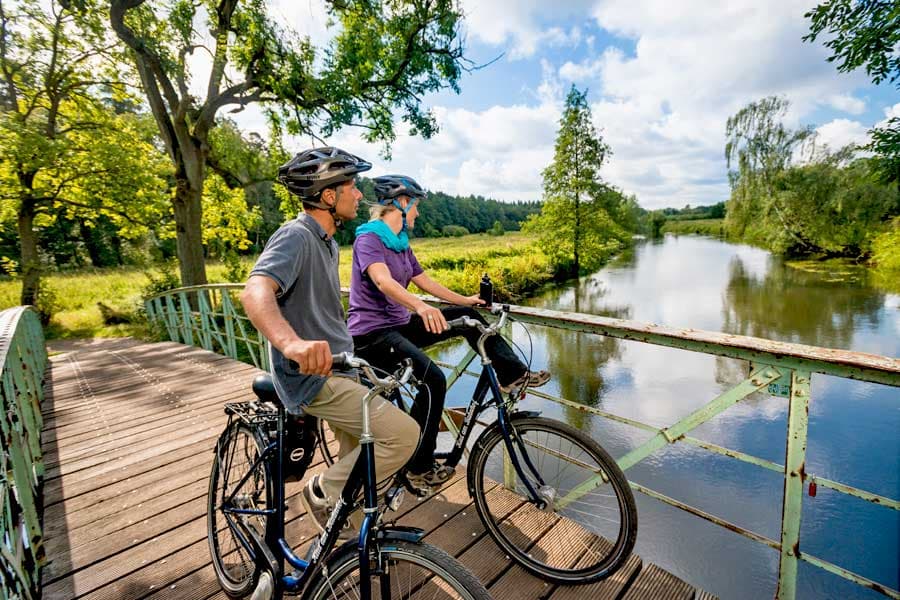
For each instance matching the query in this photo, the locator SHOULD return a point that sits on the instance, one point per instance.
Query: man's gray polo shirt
(303, 260)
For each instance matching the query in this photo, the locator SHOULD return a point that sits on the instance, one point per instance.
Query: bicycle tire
(416, 571)
(237, 449)
(599, 530)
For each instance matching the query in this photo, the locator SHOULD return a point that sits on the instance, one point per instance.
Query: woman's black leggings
(387, 348)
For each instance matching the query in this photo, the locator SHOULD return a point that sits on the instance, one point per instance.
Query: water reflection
(577, 360)
(794, 305)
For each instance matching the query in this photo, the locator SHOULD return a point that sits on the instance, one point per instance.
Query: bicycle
(246, 509)
(527, 472)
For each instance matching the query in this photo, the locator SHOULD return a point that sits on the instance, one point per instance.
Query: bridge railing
(211, 317)
(24, 360)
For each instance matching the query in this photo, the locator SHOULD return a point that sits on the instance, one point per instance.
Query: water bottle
(486, 290)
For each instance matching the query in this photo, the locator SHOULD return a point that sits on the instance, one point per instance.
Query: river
(854, 427)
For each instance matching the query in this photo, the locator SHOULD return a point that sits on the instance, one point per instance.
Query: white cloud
(517, 24)
(847, 104)
(662, 107)
(842, 132)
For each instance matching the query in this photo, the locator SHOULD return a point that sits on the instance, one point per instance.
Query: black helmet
(389, 187)
(310, 172)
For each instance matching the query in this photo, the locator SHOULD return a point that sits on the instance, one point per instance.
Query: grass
(515, 265)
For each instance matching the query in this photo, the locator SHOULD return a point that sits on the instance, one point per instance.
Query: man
(293, 297)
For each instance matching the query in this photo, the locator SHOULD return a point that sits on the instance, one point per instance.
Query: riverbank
(516, 266)
(882, 270)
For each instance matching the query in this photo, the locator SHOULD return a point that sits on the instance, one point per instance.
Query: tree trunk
(93, 245)
(189, 232)
(30, 269)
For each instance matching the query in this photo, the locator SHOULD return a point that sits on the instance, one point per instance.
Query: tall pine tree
(576, 227)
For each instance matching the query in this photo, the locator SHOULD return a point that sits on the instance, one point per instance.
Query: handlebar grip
(341, 361)
(458, 322)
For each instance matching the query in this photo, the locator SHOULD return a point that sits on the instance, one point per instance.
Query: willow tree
(63, 150)
(758, 148)
(384, 56)
(576, 227)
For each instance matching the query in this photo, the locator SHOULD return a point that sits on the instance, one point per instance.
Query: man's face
(347, 197)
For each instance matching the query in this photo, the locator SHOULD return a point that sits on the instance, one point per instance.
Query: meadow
(514, 263)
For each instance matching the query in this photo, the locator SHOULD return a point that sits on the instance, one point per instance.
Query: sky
(662, 77)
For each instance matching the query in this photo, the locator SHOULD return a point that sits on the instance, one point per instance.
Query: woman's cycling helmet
(310, 172)
(389, 187)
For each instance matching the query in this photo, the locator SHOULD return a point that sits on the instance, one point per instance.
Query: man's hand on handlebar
(311, 357)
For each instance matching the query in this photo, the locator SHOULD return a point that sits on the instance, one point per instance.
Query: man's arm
(260, 302)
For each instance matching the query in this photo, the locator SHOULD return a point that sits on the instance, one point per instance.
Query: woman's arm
(430, 286)
(387, 285)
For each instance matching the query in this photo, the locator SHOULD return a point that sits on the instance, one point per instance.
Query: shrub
(454, 231)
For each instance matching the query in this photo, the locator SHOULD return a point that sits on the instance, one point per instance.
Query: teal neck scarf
(397, 243)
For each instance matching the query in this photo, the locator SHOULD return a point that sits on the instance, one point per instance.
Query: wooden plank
(653, 583)
(125, 513)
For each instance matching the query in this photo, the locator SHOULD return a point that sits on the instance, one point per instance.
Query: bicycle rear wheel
(589, 524)
(236, 451)
(412, 571)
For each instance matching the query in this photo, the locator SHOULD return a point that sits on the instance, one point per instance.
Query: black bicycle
(246, 508)
(548, 494)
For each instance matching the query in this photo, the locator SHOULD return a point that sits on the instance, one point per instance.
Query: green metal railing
(209, 317)
(24, 360)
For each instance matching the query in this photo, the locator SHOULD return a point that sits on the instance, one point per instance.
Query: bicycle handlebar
(502, 310)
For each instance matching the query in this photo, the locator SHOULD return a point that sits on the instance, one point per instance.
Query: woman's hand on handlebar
(433, 319)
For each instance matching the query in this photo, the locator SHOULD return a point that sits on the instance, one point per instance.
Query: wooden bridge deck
(128, 435)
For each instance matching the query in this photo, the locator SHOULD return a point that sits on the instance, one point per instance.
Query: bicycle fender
(401, 533)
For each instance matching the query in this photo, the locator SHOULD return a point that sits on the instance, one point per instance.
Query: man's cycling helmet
(310, 172)
(389, 187)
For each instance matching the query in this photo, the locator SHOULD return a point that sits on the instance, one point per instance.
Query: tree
(866, 33)
(386, 55)
(54, 62)
(575, 226)
(757, 149)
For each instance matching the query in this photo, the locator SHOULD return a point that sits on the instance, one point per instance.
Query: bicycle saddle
(264, 388)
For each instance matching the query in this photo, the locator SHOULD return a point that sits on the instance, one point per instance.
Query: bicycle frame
(261, 550)
(515, 447)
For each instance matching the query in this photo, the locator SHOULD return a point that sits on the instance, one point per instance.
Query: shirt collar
(314, 225)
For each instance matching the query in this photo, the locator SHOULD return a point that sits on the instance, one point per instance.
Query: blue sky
(663, 77)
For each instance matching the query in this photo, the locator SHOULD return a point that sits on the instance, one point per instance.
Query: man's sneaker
(528, 379)
(427, 482)
(319, 509)
(315, 503)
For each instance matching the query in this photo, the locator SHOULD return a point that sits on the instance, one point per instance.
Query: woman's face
(411, 212)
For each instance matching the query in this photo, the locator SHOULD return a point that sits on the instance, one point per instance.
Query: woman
(389, 324)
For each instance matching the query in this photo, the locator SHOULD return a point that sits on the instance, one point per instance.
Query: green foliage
(657, 220)
(886, 251)
(497, 229)
(383, 58)
(577, 227)
(454, 230)
(166, 278)
(711, 227)
(60, 77)
(236, 270)
(829, 204)
(688, 213)
(46, 302)
(860, 33)
(866, 34)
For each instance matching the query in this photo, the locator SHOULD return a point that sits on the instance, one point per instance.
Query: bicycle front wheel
(584, 523)
(408, 571)
(236, 453)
